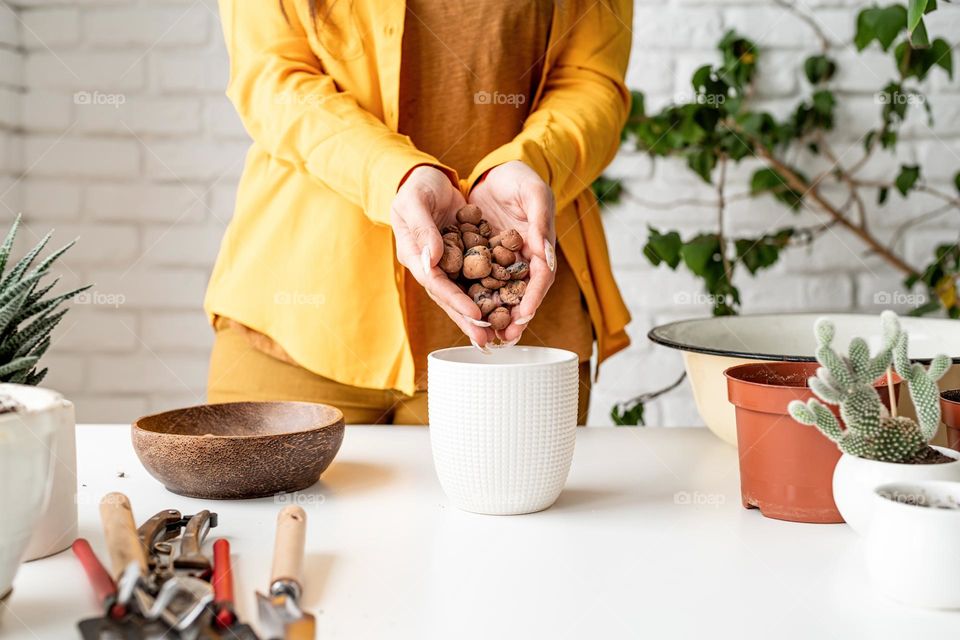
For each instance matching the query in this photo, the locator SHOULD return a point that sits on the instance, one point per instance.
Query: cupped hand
(426, 202)
(512, 196)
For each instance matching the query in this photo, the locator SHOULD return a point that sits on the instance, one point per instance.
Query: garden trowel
(281, 617)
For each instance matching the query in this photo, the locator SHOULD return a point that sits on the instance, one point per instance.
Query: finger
(423, 231)
(539, 206)
(541, 278)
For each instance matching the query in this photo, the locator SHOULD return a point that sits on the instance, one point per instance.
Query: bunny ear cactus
(848, 381)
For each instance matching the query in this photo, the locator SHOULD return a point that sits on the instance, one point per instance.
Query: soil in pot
(950, 407)
(786, 468)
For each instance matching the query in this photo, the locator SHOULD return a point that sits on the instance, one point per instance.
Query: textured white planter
(855, 479)
(911, 552)
(27, 447)
(503, 426)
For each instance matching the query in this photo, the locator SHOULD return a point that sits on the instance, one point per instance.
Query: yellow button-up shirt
(308, 257)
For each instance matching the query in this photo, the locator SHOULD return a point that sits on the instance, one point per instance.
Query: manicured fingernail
(523, 320)
(476, 323)
(478, 347)
(425, 260)
(551, 256)
(506, 345)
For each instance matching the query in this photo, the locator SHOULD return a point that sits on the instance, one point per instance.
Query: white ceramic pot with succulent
(28, 430)
(910, 545)
(877, 447)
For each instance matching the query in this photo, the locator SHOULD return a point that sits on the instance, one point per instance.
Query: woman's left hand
(512, 196)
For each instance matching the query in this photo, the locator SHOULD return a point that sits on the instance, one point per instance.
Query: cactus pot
(950, 407)
(786, 468)
(855, 480)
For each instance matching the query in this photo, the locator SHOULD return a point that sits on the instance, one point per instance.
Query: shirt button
(390, 30)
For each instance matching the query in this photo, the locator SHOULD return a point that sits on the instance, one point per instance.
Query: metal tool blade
(281, 618)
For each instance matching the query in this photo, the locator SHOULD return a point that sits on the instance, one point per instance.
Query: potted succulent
(28, 315)
(878, 446)
(910, 546)
(786, 469)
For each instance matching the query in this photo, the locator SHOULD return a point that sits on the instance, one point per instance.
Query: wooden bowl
(239, 449)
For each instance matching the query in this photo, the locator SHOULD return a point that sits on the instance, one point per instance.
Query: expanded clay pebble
(485, 264)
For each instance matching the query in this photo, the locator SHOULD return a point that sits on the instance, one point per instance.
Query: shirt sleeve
(296, 112)
(574, 131)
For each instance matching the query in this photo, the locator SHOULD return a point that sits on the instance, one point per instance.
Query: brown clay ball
(499, 318)
(466, 226)
(477, 289)
(452, 259)
(492, 283)
(486, 304)
(511, 240)
(471, 240)
(518, 270)
(453, 240)
(450, 228)
(499, 272)
(469, 213)
(495, 240)
(476, 263)
(484, 229)
(512, 293)
(504, 256)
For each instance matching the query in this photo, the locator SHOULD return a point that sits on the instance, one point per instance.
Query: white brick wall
(114, 128)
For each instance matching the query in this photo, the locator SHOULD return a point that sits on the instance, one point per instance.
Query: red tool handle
(223, 583)
(103, 585)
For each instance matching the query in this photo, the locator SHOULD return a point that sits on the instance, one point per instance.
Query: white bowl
(503, 426)
(856, 479)
(711, 345)
(26, 449)
(911, 551)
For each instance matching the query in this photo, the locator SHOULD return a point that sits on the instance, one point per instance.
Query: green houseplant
(722, 126)
(28, 314)
(878, 445)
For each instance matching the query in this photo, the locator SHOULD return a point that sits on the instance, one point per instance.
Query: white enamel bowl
(711, 345)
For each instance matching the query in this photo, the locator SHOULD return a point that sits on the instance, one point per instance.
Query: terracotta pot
(950, 408)
(786, 468)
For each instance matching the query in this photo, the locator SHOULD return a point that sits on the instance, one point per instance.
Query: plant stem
(721, 206)
(813, 192)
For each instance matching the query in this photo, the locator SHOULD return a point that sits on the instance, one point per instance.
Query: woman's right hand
(426, 202)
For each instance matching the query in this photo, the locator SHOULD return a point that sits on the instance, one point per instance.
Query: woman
(372, 124)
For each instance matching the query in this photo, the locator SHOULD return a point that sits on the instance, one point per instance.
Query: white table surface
(647, 541)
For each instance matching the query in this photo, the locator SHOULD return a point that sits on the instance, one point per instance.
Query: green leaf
(956, 181)
(915, 11)
(628, 416)
(607, 190)
(882, 195)
(701, 253)
(942, 54)
(880, 24)
(8, 243)
(17, 365)
(819, 69)
(909, 174)
(919, 38)
(770, 181)
(702, 162)
(663, 247)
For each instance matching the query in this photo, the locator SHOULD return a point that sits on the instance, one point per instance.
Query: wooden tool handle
(120, 532)
(288, 547)
(222, 584)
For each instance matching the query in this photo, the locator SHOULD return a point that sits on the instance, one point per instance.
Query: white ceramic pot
(503, 426)
(57, 528)
(911, 551)
(856, 479)
(27, 446)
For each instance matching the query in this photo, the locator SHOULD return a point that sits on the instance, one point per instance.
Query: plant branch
(721, 207)
(825, 42)
(813, 192)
